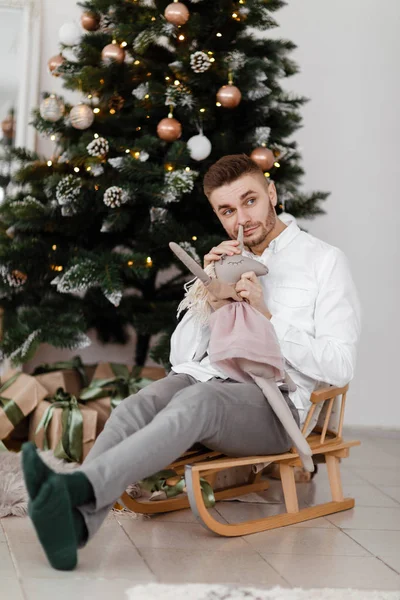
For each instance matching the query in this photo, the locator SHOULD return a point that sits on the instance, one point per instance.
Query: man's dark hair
(227, 169)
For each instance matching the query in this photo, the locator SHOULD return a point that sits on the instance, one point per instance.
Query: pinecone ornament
(98, 147)
(68, 190)
(114, 197)
(200, 62)
(16, 278)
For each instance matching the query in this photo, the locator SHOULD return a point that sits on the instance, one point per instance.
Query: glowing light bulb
(76, 169)
(52, 137)
(96, 135)
(49, 163)
(219, 34)
(96, 111)
(276, 164)
(181, 38)
(266, 174)
(54, 247)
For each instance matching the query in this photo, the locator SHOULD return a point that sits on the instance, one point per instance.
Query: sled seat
(323, 430)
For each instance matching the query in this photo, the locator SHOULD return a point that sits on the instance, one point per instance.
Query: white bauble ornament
(199, 147)
(287, 218)
(51, 109)
(81, 116)
(69, 34)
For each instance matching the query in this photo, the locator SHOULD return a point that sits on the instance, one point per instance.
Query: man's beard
(265, 230)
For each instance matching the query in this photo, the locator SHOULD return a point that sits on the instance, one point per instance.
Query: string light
(276, 164)
(202, 110)
(52, 137)
(167, 78)
(181, 38)
(88, 168)
(127, 151)
(102, 81)
(212, 59)
(235, 15)
(169, 167)
(130, 263)
(147, 96)
(149, 261)
(76, 169)
(90, 96)
(96, 136)
(218, 104)
(54, 247)
(112, 111)
(194, 238)
(138, 128)
(97, 187)
(153, 18)
(96, 111)
(124, 44)
(187, 169)
(137, 154)
(137, 62)
(266, 174)
(56, 268)
(219, 34)
(49, 163)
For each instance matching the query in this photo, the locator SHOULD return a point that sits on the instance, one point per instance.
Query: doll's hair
(227, 169)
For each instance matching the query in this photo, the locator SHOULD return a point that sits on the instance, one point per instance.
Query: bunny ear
(240, 238)
(190, 263)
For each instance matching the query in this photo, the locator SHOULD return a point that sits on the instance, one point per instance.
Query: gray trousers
(152, 428)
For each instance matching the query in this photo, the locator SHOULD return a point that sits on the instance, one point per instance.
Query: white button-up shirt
(315, 312)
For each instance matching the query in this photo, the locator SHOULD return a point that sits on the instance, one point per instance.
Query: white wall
(348, 52)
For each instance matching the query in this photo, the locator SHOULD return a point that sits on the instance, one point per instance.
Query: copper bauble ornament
(263, 157)
(54, 63)
(8, 127)
(229, 96)
(113, 52)
(81, 116)
(169, 129)
(177, 13)
(90, 21)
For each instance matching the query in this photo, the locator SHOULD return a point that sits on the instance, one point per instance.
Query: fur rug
(13, 494)
(200, 591)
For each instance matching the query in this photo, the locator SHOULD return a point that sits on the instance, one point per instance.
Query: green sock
(77, 485)
(53, 519)
(35, 470)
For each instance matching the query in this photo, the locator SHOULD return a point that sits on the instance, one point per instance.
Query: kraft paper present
(54, 431)
(19, 396)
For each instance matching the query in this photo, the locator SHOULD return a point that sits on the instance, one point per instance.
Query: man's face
(248, 202)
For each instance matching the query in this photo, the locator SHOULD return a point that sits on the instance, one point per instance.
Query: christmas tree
(167, 89)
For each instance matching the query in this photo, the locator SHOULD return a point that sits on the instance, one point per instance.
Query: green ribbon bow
(158, 482)
(70, 446)
(121, 386)
(63, 365)
(12, 411)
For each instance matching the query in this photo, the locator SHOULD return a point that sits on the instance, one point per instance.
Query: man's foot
(53, 519)
(70, 490)
(35, 470)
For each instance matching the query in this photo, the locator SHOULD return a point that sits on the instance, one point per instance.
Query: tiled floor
(358, 548)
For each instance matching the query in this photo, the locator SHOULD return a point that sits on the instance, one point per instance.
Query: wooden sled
(326, 443)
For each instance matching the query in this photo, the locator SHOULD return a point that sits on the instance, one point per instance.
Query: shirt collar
(280, 242)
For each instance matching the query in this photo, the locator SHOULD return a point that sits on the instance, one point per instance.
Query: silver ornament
(51, 109)
(81, 116)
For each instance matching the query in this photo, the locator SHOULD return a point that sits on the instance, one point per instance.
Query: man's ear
(272, 193)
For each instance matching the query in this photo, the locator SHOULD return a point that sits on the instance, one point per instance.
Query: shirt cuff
(281, 327)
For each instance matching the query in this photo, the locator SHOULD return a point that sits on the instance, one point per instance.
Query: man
(310, 298)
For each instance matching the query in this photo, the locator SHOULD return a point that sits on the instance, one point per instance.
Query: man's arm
(330, 355)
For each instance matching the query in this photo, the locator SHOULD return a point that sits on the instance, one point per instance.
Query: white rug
(200, 591)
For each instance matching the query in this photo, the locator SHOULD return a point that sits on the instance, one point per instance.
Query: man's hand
(250, 289)
(229, 247)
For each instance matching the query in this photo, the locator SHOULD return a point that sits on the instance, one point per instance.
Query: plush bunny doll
(243, 342)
